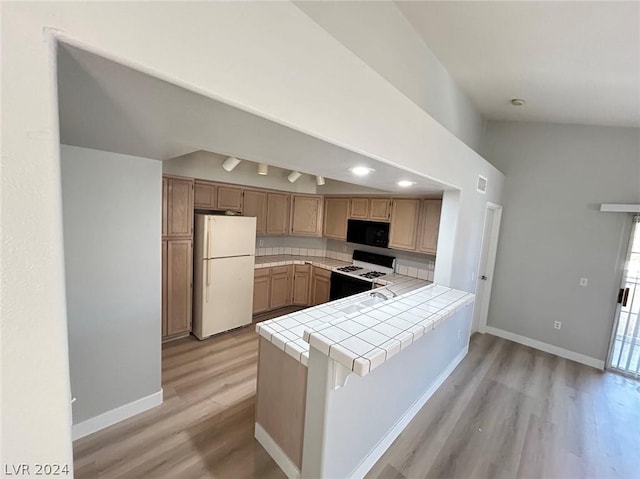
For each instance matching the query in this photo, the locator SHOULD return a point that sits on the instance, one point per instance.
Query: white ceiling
(573, 62)
(107, 106)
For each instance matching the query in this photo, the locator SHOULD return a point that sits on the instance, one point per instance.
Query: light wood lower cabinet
(336, 212)
(177, 286)
(429, 226)
(261, 293)
(320, 286)
(280, 295)
(301, 284)
(404, 223)
(306, 215)
(255, 204)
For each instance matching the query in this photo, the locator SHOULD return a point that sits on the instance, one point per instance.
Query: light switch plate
(584, 281)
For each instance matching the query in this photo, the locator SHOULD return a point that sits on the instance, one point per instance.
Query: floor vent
(482, 184)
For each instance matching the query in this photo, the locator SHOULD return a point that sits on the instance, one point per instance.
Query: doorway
(486, 267)
(624, 351)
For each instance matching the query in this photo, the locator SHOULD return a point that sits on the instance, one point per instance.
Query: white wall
(553, 233)
(382, 37)
(330, 94)
(111, 211)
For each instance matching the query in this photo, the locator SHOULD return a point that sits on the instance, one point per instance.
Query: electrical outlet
(260, 242)
(584, 281)
(473, 275)
(344, 249)
(459, 333)
(557, 324)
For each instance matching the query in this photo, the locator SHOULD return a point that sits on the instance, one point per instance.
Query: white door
(227, 299)
(231, 236)
(486, 266)
(624, 351)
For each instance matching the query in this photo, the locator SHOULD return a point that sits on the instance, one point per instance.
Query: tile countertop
(291, 332)
(285, 259)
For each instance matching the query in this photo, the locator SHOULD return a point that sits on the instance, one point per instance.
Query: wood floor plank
(507, 411)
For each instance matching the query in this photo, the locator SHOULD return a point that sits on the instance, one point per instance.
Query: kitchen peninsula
(338, 382)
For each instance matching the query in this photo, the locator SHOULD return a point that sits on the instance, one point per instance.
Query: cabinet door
(321, 283)
(429, 226)
(404, 224)
(204, 195)
(179, 275)
(301, 284)
(280, 287)
(179, 207)
(229, 198)
(261, 293)
(336, 211)
(379, 209)
(359, 208)
(164, 288)
(165, 200)
(306, 215)
(277, 213)
(255, 204)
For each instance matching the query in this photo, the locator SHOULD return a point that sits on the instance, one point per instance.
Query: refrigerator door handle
(209, 248)
(208, 282)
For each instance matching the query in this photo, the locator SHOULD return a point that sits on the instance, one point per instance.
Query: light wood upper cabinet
(320, 286)
(379, 209)
(204, 195)
(429, 226)
(179, 207)
(280, 295)
(261, 292)
(165, 200)
(277, 213)
(301, 284)
(336, 212)
(306, 215)
(404, 224)
(359, 208)
(255, 204)
(229, 198)
(179, 263)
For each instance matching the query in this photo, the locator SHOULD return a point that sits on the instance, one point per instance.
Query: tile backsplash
(409, 264)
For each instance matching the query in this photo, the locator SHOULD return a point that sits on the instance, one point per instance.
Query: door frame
(624, 256)
(481, 310)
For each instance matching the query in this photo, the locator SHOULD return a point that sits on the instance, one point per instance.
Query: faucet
(378, 294)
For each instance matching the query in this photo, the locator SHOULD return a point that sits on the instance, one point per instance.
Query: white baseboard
(277, 454)
(547, 348)
(368, 462)
(118, 414)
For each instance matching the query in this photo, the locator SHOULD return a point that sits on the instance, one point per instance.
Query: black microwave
(370, 233)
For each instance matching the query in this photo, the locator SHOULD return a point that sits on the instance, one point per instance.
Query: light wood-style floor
(507, 411)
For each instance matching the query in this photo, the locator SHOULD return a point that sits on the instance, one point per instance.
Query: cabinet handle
(626, 297)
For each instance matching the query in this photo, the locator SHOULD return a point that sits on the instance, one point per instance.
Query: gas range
(367, 266)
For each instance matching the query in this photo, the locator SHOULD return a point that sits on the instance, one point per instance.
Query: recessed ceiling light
(361, 170)
(406, 183)
(517, 102)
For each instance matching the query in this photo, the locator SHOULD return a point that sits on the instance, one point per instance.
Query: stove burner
(372, 274)
(349, 269)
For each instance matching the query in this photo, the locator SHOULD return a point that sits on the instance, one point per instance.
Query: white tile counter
(365, 339)
(288, 332)
(286, 259)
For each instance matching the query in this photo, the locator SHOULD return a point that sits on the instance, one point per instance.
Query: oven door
(343, 286)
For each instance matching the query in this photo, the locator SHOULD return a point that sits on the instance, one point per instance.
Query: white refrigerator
(224, 258)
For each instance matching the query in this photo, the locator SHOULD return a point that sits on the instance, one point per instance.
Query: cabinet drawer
(279, 270)
(261, 272)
